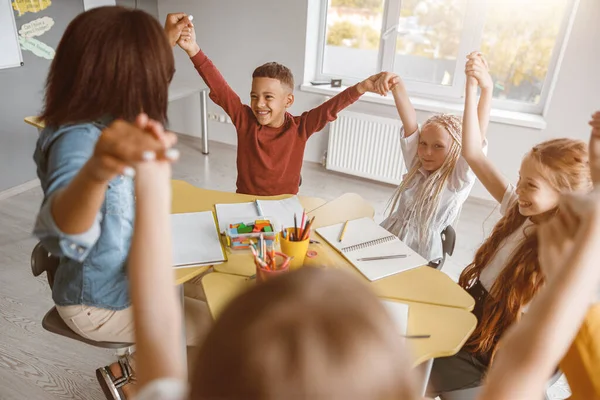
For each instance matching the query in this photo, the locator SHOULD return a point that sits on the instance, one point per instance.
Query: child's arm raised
(156, 309)
(533, 347)
(406, 111)
(479, 68)
(220, 91)
(472, 150)
(80, 167)
(316, 119)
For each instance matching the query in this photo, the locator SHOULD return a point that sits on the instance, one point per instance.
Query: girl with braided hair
(439, 179)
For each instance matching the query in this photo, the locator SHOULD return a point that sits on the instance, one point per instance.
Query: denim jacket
(92, 264)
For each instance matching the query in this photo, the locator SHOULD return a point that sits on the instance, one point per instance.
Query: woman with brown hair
(505, 274)
(111, 64)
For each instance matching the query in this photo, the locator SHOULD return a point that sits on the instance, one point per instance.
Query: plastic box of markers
(241, 232)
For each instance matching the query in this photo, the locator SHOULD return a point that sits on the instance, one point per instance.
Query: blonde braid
(427, 199)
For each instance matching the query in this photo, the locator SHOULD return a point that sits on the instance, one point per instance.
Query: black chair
(43, 261)
(448, 242)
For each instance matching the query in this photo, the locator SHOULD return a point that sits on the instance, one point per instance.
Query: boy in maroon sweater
(271, 141)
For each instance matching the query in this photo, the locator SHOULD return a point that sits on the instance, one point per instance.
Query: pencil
(343, 232)
(302, 226)
(258, 208)
(295, 228)
(286, 263)
(272, 255)
(307, 229)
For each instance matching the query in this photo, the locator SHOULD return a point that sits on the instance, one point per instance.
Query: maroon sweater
(269, 160)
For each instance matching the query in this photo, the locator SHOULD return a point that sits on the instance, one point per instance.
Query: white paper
(364, 230)
(399, 314)
(233, 213)
(89, 4)
(280, 212)
(283, 211)
(195, 239)
(10, 50)
(37, 27)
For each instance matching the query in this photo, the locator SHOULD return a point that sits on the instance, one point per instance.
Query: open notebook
(196, 240)
(364, 238)
(280, 211)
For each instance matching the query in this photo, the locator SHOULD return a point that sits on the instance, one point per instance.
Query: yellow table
(424, 284)
(35, 121)
(189, 198)
(439, 307)
(449, 327)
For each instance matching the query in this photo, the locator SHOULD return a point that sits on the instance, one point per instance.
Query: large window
(426, 43)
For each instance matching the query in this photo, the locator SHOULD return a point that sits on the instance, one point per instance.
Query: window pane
(352, 38)
(429, 33)
(518, 40)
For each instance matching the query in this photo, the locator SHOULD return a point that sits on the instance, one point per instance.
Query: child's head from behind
(440, 136)
(551, 167)
(111, 61)
(272, 93)
(311, 334)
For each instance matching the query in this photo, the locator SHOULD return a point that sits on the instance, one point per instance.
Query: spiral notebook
(364, 238)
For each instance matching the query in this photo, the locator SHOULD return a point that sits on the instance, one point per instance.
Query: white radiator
(366, 146)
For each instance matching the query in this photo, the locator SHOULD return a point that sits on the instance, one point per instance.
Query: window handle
(389, 31)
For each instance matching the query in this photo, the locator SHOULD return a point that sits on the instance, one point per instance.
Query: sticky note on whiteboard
(89, 4)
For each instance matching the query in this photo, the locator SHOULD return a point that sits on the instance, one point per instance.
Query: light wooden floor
(35, 364)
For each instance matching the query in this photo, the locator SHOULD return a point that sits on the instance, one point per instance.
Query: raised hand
(594, 148)
(187, 40)
(379, 83)
(174, 25)
(477, 71)
(578, 215)
(122, 146)
(387, 81)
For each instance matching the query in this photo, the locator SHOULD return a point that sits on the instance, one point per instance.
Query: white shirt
(164, 389)
(460, 183)
(495, 266)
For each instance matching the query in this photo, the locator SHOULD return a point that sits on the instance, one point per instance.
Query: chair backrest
(448, 236)
(448, 240)
(43, 261)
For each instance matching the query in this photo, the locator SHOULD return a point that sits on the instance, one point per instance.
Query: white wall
(240, 35)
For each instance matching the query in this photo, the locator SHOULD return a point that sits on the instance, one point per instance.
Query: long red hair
(564, 163)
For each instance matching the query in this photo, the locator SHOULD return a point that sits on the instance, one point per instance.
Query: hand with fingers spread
(174, 26)
(122, 146)
(477, 71)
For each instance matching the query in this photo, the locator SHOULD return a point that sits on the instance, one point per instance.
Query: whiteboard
(10, 51)
(89, 4)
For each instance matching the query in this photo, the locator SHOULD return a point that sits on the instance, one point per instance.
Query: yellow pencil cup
(294, 249)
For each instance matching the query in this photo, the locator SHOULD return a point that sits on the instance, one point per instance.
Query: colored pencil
(307, 229)
(343, 232)
(295, 228)
(382, 257)
(302, 225)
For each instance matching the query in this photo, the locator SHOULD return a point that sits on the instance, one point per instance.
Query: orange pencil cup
(264, 273)
(294, 249)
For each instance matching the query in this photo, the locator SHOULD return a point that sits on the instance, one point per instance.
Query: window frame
(473, 26)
